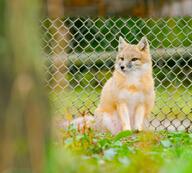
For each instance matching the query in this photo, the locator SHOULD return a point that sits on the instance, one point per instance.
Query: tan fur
(142, 86)
(128, 96)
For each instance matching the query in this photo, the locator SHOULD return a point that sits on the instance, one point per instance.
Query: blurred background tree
(24, 116)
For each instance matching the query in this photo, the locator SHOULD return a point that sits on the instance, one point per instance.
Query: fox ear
(122, 43)
(143, 44)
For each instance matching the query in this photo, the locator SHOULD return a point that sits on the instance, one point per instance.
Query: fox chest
(131, 91)
(131, 96)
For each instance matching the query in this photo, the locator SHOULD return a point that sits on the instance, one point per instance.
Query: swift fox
(128, 96)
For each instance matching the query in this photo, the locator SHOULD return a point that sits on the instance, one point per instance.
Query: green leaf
(110, 153)
(124, 160)
(117, 143)
(166, 143)
(190, 135)
(69, 141)
(79, 137)
(123, 134)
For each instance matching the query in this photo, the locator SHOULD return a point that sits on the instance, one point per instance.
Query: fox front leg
(139, 118)
(124, 116)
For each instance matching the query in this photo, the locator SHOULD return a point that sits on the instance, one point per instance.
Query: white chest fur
(131, 97)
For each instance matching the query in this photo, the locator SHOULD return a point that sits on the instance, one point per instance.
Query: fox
(128, 97)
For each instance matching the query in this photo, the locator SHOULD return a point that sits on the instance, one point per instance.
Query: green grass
(144, 152)
(170, 102)
(127, 152)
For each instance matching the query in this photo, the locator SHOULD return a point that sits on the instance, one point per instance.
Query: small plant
(127, 151)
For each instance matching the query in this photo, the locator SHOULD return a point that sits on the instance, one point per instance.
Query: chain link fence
(80, 55)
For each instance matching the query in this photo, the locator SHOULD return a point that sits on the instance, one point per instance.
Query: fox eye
(134, 59)
(121, 58)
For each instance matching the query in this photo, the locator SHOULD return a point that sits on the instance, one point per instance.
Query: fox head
(131, 57)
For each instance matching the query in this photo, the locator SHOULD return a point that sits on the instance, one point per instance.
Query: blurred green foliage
(101, 34)
(144, 152)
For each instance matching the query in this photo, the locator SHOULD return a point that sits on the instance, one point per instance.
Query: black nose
(122, 67)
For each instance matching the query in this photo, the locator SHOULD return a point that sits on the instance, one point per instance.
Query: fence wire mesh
(80, 55)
